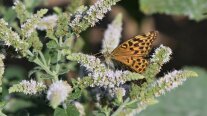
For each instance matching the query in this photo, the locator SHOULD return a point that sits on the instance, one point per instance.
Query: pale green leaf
(194, 9)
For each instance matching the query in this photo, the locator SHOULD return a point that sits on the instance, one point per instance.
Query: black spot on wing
(130, 43)
(132, 49)
(135, 52)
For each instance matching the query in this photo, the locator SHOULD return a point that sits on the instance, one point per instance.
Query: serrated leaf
(60, 112)
(76, 94)
(70, 111)
(64, 68)
(194, 9)
(52, 44)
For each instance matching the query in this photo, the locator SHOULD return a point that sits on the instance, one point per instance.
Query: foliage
(194, 9)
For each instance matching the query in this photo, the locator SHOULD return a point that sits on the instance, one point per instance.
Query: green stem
(42, 58)
(43, 65)
(131, 102)
(118, 111)
(30, 53)
(58, 56)
(37, 61)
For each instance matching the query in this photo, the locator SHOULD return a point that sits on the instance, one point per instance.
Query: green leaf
(60, 112)
(70, 111)
(62, 25)
(194, 9)
(14, 71)
(31, 4)
(14, 105)
(98, 113)
(52, 44)
(65, 67)
(9, 15)
(76, 94)
(57, 10)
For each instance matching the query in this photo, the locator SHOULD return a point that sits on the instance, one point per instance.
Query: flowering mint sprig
(30, 87)
(161, 86)
(156, 89)
(159, 57)
(12, 38)
(144, 95)
(30, 25)
(171, 81)
(58, 92)
(99, 74)
(82, 20)
(112, 35)
(22, 13)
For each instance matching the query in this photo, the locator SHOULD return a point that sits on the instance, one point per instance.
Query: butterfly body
(133, 52)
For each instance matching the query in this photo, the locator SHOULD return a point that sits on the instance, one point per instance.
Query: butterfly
(133, 52)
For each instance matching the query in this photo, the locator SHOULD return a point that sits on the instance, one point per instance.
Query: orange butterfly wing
(132, 52)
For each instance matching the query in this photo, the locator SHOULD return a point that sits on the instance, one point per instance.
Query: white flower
(47, 22)
(112, 35)
(84, 19)
(31, 87)
(102, 76)
(162, 53)
(11, 38)
(169, 82)
(58, 92)
(120, 91)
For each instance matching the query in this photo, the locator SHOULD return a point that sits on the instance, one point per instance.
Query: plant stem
(117, 112)
(38, 62)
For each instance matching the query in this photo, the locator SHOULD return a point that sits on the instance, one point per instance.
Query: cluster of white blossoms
(31, 24)
(30, 87)
(10, 37)
(161, 54)
(92, 15)
(46, 22)
(101, 75)
(58, 92)
(169, 82)
(112, 35)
